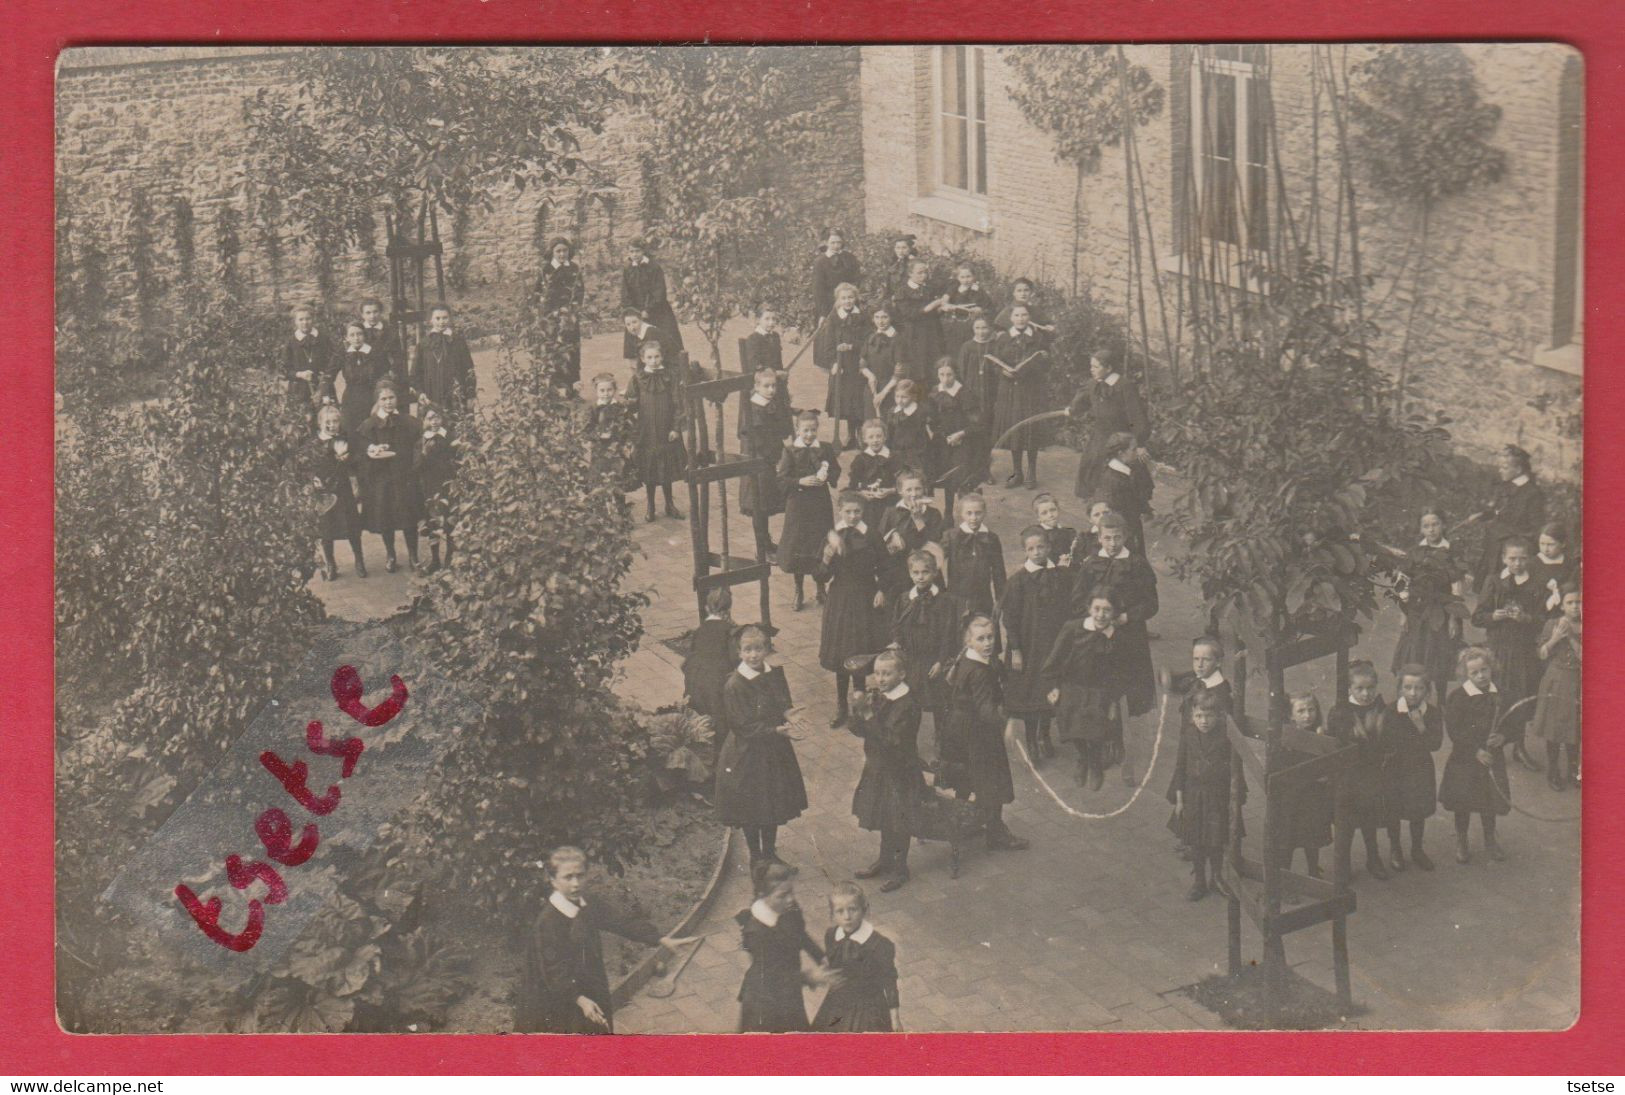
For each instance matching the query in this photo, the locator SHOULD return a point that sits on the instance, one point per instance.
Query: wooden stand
(408, 262)
(713, 568)
(1277, 900)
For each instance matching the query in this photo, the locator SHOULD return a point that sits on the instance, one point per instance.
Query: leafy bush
(1291, 452)
(533, 620)
(680, 749)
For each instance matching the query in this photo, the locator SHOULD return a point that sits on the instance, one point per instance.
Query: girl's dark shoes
(1003, 840)
(1495, 851)
(1421, 859)
(838, 721)
(390, 566)
(895, 882)
(874, 870)
(1376, 870)
(360, 569)
(649, 514)
(1197, 891)
(1397, 861)
(1521, 755)
(673, 512)
(801, 602)
(1462, 853)
(1555, 780)
(1015, 480)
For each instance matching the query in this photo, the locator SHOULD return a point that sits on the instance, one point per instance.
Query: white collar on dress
(1548, 561)
(1473, 690)
(797, 442)
(1090, 625)
(365, 348)
(884, 453)
(1405, 709)
(896, 693)
(1213, 679)
(642, 261)
(1117, 465)
(1122, 553)
(762, 911)
(1017, 332)
(441, 432)
(564, 904)
(968, 531)
(889, 332)
(912, 284)
(658, 369)
(846, 313)
(1362, 706)
(912, 407)
(709, 616)
(860, 937)
(1033, 568)
(841, 526)
(951, 391)
(756, 398)
(1506, 576)
(323, 435)
(447, 331)
(557, 265)
(1443, 543)
(914, 591)
(1521, 480)
(312, 333)
(1112, 378)
(751, 674)
(975, 656)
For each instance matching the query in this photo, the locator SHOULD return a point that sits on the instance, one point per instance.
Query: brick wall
(1485, 313)
(167, 123)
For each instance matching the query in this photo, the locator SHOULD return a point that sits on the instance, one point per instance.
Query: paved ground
(1090, 929)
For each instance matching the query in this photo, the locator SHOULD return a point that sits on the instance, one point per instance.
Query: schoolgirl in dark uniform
(838, 349)
(908, 428)
(973, 748)
(865, 997)
(656, 394)
(1475, 773)
(436, 469)
(834, 266)
(1108, 405)
(808, 471)
(1361, 799)
(307, 363)
(1035, 608)
(1511, 609)
(925, 628)
(1083, 678)
(334, 461)
(1414, 732)
(560, 291)
(956, 423)
(888, 720)
(1431, 636)
(1517, 508)
(389, 442)
(906, 527)
(1023, 381)
(774, 933)
(852, 624)
(916, 308)
(873, 473)
(443, 368)
(643, 286)
(967, 302)
(1201, 789)
(383, 340)
(759, 785)
(361, 369)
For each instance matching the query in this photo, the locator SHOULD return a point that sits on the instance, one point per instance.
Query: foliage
(1420, 128)
(401, 126)
(1076, 94)
(365, 963)
(228, 248)
(724, 130)
(183, 545)
(1291, 451)
(680, 748)
(533, 618)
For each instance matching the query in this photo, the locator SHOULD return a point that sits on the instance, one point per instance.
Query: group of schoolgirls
(380, 468)
(1527, 674)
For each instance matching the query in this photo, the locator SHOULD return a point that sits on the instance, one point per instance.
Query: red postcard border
(30, 1040)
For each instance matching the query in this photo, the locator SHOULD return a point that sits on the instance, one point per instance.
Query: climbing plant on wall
(1421, 133)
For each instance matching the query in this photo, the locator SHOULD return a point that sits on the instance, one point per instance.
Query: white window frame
(941, 200)
(1246, 76)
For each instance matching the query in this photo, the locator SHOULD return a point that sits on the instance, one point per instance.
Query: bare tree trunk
(1416, 300)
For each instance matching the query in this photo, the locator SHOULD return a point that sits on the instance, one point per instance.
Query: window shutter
(1179, 113)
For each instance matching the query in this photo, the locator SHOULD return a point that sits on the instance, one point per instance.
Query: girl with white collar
(1511, 609)
(976, 764)
(838, 349)
(759, 785)
(655, 392)
(1035, 610)
(865, 999)
(1084, 675)
(1475, 775)
(1553, 566)
(808, 470)
(852, 625)
(1432, 635)
(362, 371)
(1124, 482)
(773, 932)
(1414, 730)
(887, 718)
(1517, 508)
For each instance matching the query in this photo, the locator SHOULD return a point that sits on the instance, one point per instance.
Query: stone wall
(1485, 314)
(164, 126)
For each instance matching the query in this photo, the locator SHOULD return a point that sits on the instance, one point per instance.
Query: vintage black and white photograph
(793, 539)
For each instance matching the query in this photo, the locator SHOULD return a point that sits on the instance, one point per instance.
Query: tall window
(1230, 145)
(961, 120)
(1568, 298)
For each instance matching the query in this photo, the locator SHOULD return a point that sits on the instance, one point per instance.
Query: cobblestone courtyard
(1090, 929)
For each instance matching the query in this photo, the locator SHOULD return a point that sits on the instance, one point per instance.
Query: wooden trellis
(719, 567)
(409, 257)
(1277, 900)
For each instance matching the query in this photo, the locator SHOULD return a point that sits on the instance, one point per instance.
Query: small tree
(402, 127)
(1422, 133)
(1074, 93)
(724, 128)
(1289, 446)
(533, 619)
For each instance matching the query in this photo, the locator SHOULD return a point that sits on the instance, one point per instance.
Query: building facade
(1498, 329)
